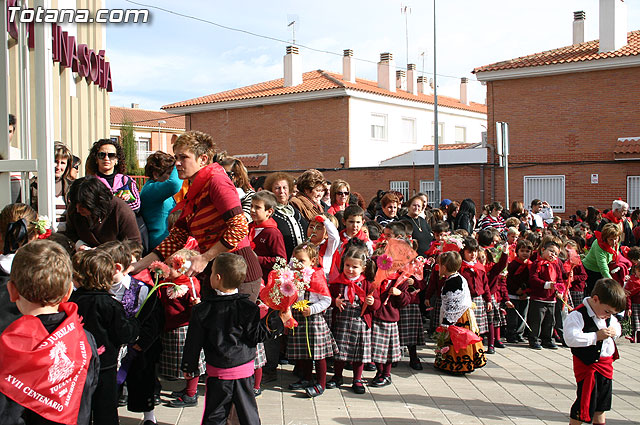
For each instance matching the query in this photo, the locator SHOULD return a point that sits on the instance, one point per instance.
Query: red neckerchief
(268, 223)
(353, 288)
(523, 264)
(540, 264)
(360, 235)
(612, 218)
(199, 182)
(318, 283)
(322, 252)
(586, 374)
(46, 372)
(605, 246)
(475, 268)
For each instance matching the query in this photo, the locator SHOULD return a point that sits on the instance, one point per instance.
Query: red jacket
(177, 311)
(540, 272)
(434, 286)
(268, 244)
(390, 305)
(337, 286)
(477, 279)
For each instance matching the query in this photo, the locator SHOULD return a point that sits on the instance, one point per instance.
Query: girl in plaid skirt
(633, 287)
(177, 308)
(311, 341)
(355, 300)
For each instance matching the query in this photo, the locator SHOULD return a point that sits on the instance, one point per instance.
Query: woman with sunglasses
(107, 162)
(238, 174)
(340, 192)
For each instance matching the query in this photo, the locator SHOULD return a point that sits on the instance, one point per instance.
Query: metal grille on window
(545, 188)
(428, 187)
(401, 186)
(633, 192)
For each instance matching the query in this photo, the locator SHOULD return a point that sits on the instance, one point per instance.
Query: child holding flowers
(456, 312)
(311, 341)
(354, 298)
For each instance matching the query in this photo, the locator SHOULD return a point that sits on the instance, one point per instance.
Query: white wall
(366, 152)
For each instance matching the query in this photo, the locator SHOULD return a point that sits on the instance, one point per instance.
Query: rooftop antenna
(406, 11)
(292, 22)
(423, 54)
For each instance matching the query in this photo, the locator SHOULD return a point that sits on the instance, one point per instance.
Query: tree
(128, 141)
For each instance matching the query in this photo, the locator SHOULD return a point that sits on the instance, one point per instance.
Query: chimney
(135, 106)
(578, 27)
(401, 79)
(613, 25)
(386, 72)
(463, 90)
(348, 66)
(423, 83)
(412, 86)
(292, 67)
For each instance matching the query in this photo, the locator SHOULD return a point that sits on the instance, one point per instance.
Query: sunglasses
(103, 155)
(76, 167)
(342, 193)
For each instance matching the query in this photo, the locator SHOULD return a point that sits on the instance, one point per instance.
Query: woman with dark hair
(237, 172)
(466, 218)
(593, 218)
(95, 216)
(106, 161)
(156, 196)
(452, 211)
(311, 188)
(289, 220)
(421, 229)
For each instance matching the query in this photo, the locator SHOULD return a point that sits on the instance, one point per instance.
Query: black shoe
(299, 385)
(334, 383)
(184, 401)
(149, 422)
(314, 390)
(535, 346)
(380, 381)
(498, 344)
(358, 386)
(370, 367)
(177, 394)
(551, 346)
(257, 392)
(415, 364)
(123, 400)
(156, 400)
(490, 350)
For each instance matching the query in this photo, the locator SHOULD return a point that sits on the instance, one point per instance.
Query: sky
(174, 58)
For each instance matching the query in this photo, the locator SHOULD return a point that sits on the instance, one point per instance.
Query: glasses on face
(342, 193)
(103, 155)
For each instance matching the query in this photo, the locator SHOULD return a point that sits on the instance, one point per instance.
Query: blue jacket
(156, 199)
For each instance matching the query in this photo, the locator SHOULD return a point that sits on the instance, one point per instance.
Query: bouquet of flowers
(43, 227)
(452, 242)
(283, 284)
(182, 265)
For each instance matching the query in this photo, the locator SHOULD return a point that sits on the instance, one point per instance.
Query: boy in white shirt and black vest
(589, 330)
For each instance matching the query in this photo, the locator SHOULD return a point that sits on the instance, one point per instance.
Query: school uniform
(541, 315)
(410, 327)
(267, 242)
(433, 293)
(385, 339)
(476, 277)
(497, 289)
(577, 285)
(592, 360)
(517, 283)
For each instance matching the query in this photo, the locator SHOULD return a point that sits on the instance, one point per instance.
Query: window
(461, 134)
(378, 127)
(633, 192)
(408, 130)
(142, 147)
(545, 188)
(440, 132)
(401, 186)
(427, 186)
(115, 139)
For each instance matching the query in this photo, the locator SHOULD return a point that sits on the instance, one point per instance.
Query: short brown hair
(267, 198)
(309, 180)
(93, 269)
(450, 260)
(276, 177)
(611, 230)
(610, 292)
(389, 198)
(119, 252)
(41, 272)
(135, 247)
(309, 248)
(198, 143)
(158, 163)
(232, 269)
(523, 243)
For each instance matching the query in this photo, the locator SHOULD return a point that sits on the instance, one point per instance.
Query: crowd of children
(531, 281)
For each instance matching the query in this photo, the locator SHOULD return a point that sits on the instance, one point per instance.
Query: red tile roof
(146, 118)
(252, 161)
(582, 52)
(450, 147)
(317, 81)
(629, 145)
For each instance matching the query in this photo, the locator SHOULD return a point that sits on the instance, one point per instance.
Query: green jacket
(597, 260)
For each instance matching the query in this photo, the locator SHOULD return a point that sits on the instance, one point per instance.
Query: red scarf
(475, 268)
(353, 287)
(46, 372)
(360, 235)
(318, 283)
(605, 246)
(586, 374)
(523, 264)
(269, 223)
(612, 218)
(199, 182)
(551, 270)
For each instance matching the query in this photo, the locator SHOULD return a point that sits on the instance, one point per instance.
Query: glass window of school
(408, 130)
(546, 188)
(378, 126)
(440, 132)
(461, 134)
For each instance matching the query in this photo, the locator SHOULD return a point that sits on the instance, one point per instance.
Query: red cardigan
(539, 275)
(336, 287)
(390, 312)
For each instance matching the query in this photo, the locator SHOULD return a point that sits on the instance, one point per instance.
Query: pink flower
(177, 291)
(288, 288)
(307, 272)
(287, 275)
(384, 262)
(444, 349)
(159, 268)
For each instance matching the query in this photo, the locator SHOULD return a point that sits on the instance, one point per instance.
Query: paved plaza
(518, 386)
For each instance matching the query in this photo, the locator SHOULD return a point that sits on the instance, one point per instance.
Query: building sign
(594, 178)
(79, 57)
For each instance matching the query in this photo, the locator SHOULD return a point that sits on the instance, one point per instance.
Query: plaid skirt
(410, 326)
(352, 335)
(481, 314)
(171, 356)
(328, 317)
(261, 356)
(495, 316)
(385, 343)
(319, 342)
(436, 312)
(576, 298)
(635, 317)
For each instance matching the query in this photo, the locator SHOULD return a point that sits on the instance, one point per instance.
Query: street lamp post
(436, 157)
(164, 148)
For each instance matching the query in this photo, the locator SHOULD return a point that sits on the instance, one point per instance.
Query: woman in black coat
(466, 218)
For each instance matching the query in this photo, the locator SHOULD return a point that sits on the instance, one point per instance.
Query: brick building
(573, 115)
(345, 126)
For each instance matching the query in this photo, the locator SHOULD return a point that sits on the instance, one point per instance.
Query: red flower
(45, 235)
